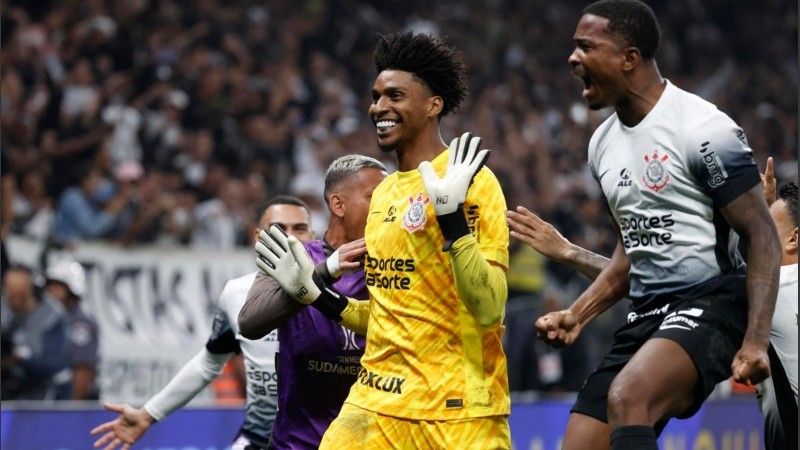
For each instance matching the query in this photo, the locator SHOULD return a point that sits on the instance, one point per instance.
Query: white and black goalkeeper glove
(284, 258)
(449, 193)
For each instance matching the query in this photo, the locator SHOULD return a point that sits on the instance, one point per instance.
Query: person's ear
(632, 58)
(336, 203)
(791, 244)
(435, 106)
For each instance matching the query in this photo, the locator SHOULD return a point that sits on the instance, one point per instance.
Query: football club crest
(414, 219)
(655, 176)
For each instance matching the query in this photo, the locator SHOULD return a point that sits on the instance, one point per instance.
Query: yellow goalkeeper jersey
(426, 356)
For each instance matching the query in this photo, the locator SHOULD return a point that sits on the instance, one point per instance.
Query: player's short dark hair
(428, 58)
(282, 200)
(788, 193)
(633, 20)
(346, 166)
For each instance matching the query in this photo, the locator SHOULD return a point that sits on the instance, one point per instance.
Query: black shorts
(709, 327)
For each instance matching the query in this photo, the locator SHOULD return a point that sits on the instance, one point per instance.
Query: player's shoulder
(386, 184)
(603, 130)
(698, 114)
(486, 175)
(237, 287)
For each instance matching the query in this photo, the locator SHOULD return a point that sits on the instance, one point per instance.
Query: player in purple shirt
(318, 359)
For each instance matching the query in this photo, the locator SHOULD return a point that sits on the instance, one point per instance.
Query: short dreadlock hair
(632, 20)
(428, 58)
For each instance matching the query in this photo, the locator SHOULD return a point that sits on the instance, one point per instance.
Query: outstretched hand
(125, 430)
(750, 365)
(538, 234)
(558, 329)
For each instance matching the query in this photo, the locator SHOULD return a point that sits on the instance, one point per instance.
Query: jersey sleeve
(721, 159)
(485, 210)
(222, 339)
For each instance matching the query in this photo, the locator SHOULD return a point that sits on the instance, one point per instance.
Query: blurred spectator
(309, 188)
(161, 130)
(222, 223)
(66, 283)
(195, 161)
(8, 190)
(153, 205)
(33, 208)
(177, 226)
(95, 209)
(34, 340)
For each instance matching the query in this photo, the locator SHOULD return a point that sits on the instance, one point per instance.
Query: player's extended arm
(132, 423)
(749, 217)
(267, 306)
(481, 285)
(195, 375)
(545, 239)
(561, 328)
(127, 428)
(284, 259)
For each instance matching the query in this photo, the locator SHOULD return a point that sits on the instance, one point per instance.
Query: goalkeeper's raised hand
(284, 258)
(449, 193)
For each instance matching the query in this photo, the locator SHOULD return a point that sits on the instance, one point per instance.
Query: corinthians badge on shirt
(414, 219)
(656, 176)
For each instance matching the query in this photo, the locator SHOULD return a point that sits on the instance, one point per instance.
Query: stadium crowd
(163, 122)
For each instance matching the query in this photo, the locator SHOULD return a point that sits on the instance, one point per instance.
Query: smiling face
(598, 60)
(402, 106)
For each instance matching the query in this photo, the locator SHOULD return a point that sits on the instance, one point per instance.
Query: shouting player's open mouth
(587, 83)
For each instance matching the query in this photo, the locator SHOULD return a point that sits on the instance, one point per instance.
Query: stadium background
(198, 112)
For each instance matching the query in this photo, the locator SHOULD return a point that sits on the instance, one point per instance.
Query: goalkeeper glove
(284, 258)
(449, 193)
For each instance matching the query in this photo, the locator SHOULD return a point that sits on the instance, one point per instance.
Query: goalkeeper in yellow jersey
(434, 372)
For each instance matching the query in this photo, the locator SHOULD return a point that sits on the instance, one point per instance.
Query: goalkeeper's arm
(481, 284)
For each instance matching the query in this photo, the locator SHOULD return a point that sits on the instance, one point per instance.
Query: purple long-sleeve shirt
(318, 359)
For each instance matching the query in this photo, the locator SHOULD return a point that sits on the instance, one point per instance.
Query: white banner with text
(153, 307)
